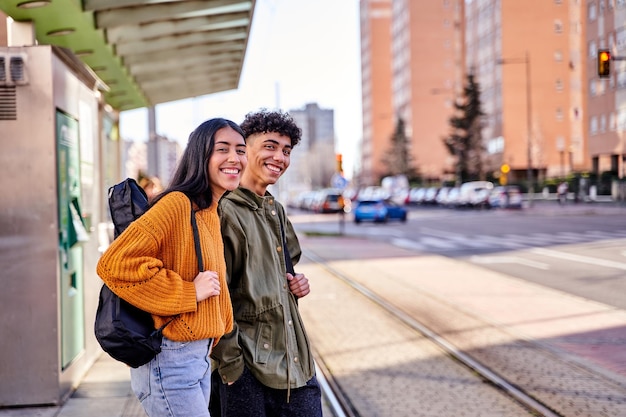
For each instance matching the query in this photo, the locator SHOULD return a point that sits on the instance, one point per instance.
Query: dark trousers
(247, 397)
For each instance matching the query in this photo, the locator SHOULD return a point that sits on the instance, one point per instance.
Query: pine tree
(398, 159)
(465, 140)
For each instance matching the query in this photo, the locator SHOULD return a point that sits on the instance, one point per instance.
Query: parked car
(328, 201)
(430, 197)
(451, 199)
(416, 195)
(380, 211)
(475, 194)
(507, 196)
(442, 195)
(305, 200)
(373, 192)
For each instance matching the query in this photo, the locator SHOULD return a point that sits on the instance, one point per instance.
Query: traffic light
(339, 162)
(604, 63)
(504, 173)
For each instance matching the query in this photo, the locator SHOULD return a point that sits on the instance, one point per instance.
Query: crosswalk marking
(528, 240)
(441, 243)
(433, 240)
(602, 235)
(474, 243)
(496, 242)
(565, 237)
(408, 244)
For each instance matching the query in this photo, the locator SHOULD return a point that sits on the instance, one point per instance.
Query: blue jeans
(177, 382)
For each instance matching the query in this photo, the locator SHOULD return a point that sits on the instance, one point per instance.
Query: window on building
(593, 91)
(612, 41)
(593, 125)
(558, 26)
(621, 79)
(592, 49)
(620, 37)
(621, 120)
(612, 122)
(559, 114)
(559, 84)
(592, 12)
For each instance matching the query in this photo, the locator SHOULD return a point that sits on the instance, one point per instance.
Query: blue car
(380, 211)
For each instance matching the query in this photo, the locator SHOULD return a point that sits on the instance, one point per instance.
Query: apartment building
(412, 66)
(376, 79)
(546, 112)
(313, 160)
(427, 71)
(606, 29)
(529, 62)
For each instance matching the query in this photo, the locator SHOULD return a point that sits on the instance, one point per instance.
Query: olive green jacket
(268, 335)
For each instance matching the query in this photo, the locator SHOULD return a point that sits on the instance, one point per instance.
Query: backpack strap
(196, 239)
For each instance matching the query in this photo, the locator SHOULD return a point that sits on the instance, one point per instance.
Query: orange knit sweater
(153, 263)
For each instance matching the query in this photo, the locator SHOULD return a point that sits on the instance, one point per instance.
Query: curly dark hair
(265, 121)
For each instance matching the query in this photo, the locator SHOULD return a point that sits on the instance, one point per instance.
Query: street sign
(338, 181)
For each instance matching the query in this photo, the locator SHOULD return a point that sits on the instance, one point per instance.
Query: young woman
(153, 265)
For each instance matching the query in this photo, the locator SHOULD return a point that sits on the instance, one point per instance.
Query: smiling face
(227, 161)
(268, 157)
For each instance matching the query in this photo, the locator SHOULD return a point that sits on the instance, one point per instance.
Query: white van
(475, 194)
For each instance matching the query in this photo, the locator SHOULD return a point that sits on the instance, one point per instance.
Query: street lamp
(529, 171)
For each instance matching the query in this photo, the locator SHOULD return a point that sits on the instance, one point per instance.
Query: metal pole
(529, 172)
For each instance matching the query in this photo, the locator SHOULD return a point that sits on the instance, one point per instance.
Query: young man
(264, 367)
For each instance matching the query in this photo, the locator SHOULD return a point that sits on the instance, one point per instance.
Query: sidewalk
(104, 392)
(552, 207)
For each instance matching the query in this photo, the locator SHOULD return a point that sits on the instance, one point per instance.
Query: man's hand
(298, 285)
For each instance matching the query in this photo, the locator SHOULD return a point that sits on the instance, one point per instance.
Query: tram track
(340, 405)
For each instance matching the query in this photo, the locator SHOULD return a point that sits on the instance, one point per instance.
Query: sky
(299, 52)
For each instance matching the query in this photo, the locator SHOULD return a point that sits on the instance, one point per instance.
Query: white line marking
(579, 258)
(509, 260)
(407, 244)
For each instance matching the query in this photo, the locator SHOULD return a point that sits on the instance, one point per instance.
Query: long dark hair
(192, 173)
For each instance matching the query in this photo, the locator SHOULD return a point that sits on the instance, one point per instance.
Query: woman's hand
(207, 285)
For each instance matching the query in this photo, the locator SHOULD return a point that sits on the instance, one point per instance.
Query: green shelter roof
(147, 51)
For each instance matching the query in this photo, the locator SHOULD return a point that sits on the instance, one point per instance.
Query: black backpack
(127, 201)
(125, 332)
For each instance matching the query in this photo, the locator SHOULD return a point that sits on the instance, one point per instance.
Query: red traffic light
(604, 63)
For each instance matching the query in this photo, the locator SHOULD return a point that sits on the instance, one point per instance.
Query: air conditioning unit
(13, 69)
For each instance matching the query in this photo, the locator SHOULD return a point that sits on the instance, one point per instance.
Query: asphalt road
(577, 249)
